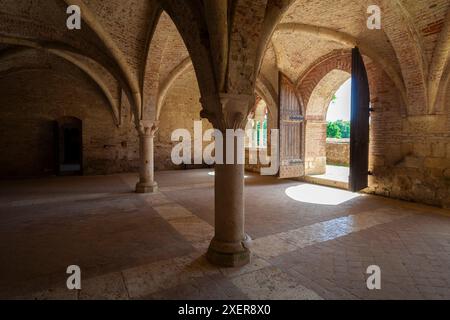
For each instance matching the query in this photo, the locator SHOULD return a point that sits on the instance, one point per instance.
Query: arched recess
(44, 88)
(442, 100)
(166, 57)
(41, 24)
(94, 72)
(115, 55)
(164, 88)
(62, 50)
(321, 96)
(266, 91)
(189, 19)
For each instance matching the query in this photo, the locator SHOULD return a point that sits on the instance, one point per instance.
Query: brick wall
(181, 108)
(29, 103)
(409, 155)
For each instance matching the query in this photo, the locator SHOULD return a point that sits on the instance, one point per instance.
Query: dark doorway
(69, 142)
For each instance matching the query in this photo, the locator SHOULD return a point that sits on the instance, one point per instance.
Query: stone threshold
(326, 182)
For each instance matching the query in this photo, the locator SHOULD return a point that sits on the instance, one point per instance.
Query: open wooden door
(291, 124)
(360, 114)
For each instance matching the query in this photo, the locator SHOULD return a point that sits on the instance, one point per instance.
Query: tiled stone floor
(133, 246)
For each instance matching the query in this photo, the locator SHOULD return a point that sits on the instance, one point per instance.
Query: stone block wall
(315, 144)
(338, 152)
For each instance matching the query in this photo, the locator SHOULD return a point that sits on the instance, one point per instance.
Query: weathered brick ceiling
(345, 16)
(428, 19)
(145, 52)
(166, 53)
(127, 23)
(293, 53)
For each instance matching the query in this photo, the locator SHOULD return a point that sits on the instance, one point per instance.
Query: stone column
(146, 182)
(230, 246)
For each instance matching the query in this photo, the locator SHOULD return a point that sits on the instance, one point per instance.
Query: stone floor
(310, 242)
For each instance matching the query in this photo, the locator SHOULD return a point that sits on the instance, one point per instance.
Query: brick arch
(312, 77)
(321, 97)
(329, 77)
(316, 87)
(310, 83)
(341, 60)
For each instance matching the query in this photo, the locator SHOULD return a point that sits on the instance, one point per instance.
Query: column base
(151, 187)
(229, 255)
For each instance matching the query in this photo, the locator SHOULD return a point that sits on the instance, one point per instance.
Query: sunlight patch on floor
(309, 193)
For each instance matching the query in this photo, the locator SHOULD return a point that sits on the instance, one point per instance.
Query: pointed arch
(188, 18)
(130, 82)
(83, 66)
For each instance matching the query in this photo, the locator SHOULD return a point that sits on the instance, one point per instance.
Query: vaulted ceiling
(141, 47)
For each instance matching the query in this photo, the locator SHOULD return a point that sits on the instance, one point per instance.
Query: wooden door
(360, 114)
(291, 124)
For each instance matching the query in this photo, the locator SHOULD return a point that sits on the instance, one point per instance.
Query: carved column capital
(235, 109)
(147, 128)
(227, 111)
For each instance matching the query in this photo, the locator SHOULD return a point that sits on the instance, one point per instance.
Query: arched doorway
(328, 106)
(318, 89)
(69, 144)
(333, 165)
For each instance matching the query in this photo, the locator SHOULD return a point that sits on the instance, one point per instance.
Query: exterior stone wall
(30, 102)
(338, 152)
(315, 144)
